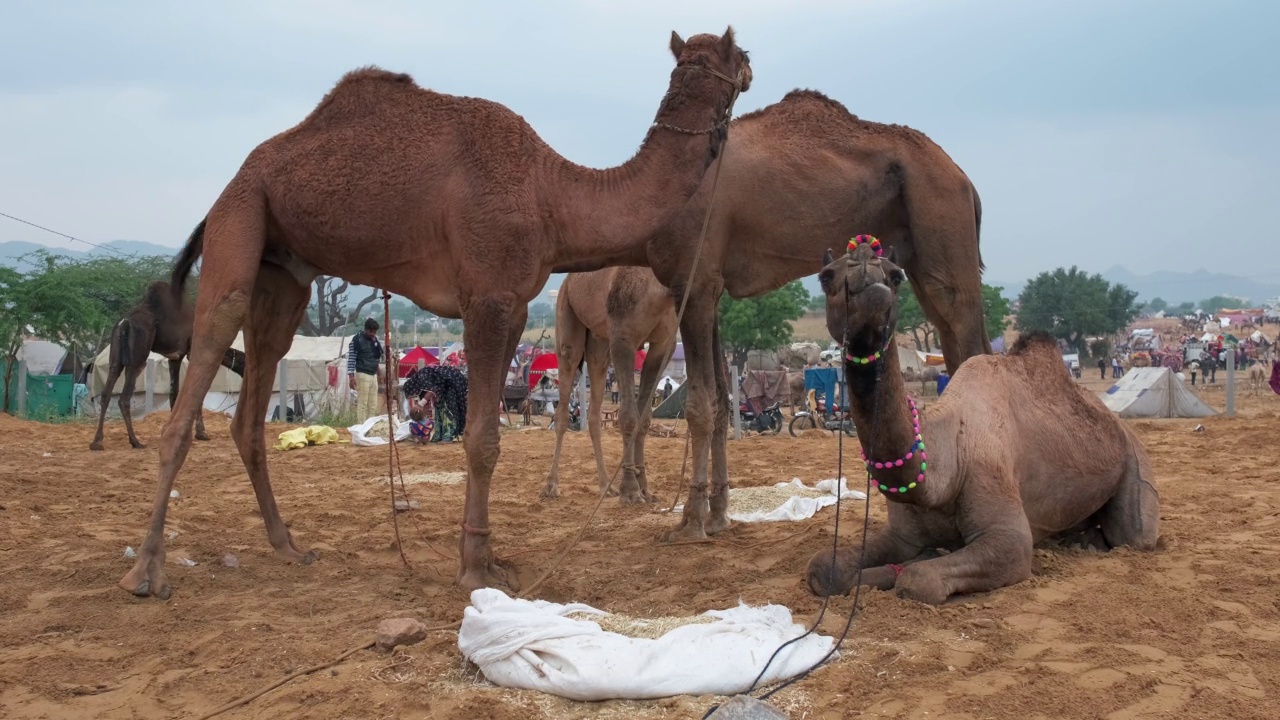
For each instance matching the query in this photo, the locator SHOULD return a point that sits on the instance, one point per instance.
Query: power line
(62, 234)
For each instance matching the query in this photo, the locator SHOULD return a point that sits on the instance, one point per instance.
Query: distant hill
(1180, 287)
(11, 252)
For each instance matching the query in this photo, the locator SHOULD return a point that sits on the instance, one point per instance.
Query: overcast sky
(1098, 132)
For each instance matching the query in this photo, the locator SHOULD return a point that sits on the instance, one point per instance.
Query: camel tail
(187, 259)
(977, 225)
(122, 337)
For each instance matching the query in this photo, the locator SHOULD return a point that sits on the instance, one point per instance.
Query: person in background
(1115, 367)
(364, 354)
(1102, 368)
(443, 386)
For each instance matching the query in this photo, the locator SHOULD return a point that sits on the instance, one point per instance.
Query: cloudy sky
(1099, 132)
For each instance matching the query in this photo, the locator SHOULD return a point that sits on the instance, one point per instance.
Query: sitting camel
(1017, 452)
(160, 324)
(603, 315)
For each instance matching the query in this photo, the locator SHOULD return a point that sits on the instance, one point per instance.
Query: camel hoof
(147, 578)
(921, 586)
(95, 446)
(138, 446)
(294, 555)
(684, 533)
(202, 436)
(310, 557)
(828, 576)
(493, 575)
(633, 497)
(550, 492)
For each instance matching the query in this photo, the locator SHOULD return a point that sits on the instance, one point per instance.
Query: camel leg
(660, 352)
(954, 306)
(597, 364)
(175, 370)
(1132, 516)
(623, 353)
(571, 343)
(126, 405)
(697, 328)
(835, 573)
(997, 553)
(234, 238)
(487, 333)
(274, 313)
(719, 501)
(112, 375)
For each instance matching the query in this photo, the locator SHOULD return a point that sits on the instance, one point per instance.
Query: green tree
(995, 308)
(1156, 305)
(1073, 305)
(995, 311)
(818, 303)
(12, 324)
(1185, 308)
(1215, 304)
(541, 314)
(761, 323)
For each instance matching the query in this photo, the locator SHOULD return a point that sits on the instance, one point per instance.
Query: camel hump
(373, 73)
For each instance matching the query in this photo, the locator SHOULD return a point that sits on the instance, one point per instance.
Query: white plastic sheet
(360, 433)
(531, 645)
(797, 507)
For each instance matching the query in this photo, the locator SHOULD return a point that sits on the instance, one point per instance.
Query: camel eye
(825, 278)
(897, 277)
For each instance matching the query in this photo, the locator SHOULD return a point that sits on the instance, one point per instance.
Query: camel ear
(827, 258)
(677, 45)
(727, 43)
(892, 255)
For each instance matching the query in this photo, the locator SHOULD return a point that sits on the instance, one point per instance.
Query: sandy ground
(1187, 632)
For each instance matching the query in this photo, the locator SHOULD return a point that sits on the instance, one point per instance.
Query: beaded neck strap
(868, 359)
(917, 449)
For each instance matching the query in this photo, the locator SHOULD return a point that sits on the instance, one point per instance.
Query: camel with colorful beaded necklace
(1013, 453)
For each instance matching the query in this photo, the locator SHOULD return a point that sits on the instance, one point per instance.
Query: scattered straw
(744, 501)
(641, 628)
(398, 670)
(431, 478)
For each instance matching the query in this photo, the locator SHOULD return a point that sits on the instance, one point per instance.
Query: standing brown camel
(160, 324)
(1257, 378)
(607, 315)
(801, 176)
(1014, 453)
(454, 203)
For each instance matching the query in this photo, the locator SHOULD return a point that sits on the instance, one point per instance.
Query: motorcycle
(808, 419)
(768, 422)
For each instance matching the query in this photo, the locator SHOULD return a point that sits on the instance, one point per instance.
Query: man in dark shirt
(363, 357)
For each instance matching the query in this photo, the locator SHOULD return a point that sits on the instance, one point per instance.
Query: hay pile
(744, 501)
(641, 628)
(380, 429)
(431, 478)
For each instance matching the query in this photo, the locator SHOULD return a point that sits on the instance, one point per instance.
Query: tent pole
(1231, 382)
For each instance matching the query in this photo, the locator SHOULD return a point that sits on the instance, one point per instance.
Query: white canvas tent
(42, 356)
(306, 367)
(909, 359)
(1153, 392)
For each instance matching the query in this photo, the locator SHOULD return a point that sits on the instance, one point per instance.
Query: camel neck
(605, 217)
(886, 427)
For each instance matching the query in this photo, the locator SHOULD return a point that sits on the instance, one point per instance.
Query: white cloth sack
(360, 436)
(796, 507)
(531, 645)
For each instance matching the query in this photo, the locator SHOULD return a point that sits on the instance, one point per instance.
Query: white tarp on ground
(796, 507)
(307, 363)
(1154, 392)
(531, 645)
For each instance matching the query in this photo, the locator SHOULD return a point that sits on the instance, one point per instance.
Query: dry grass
(641, 628)
(766, 498)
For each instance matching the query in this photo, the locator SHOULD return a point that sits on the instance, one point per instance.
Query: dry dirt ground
(1187, 632)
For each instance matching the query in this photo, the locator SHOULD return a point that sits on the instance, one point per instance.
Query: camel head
(719, 54)
(862, 298)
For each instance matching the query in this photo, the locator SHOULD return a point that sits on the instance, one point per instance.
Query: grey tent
(673, 407)
(1154, 392)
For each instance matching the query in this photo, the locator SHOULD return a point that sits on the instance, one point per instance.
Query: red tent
(539, 367)
(409, 362)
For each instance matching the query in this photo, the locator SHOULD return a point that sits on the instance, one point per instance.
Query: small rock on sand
(742, 707)
(403, 505)
(400, 631)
